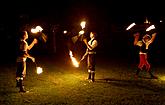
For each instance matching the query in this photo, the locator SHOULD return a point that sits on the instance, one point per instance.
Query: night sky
(108, 18)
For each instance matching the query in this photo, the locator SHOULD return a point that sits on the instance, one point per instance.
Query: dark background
(108, 18)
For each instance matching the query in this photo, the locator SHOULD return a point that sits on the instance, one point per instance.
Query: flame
(74, 61)
(83, 23)
(130, 26)
(37, 29)
(81, 32)
(150, 28)
(39, 70)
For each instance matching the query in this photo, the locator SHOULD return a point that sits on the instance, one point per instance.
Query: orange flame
(83, 23)
(74, 61)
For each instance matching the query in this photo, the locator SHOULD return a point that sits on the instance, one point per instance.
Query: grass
(62, 84)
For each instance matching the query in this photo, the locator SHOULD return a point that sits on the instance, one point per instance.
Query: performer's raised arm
(136, 38)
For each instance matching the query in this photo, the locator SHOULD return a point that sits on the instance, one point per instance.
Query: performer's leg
(22, 75)
(93, 63)
(19, 71)
(22, 86)
(91, 67)
(93, 76)
(89, 74)
(141, 64)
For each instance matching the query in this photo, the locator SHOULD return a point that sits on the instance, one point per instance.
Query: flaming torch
(150, 28)
(39, 29)
(130, 26)
(80, 34)
(74, 61)
(82, 24)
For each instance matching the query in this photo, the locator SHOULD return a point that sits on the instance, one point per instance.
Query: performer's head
(93, 34)
(24, 35)
(146, 38)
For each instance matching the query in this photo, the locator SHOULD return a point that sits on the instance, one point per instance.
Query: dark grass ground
(62, 84)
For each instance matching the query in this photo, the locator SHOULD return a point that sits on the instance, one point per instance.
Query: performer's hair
(94, 33)
(22, 33)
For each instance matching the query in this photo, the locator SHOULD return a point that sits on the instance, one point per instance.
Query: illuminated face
(146, 39)
(92, 35)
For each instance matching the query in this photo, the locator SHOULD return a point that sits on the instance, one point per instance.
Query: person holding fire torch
(90, 54)
(22, 55)
(144, 48)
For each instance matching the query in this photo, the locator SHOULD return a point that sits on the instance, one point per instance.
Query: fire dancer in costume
(90, 54)
(22, 55)
(144, 47)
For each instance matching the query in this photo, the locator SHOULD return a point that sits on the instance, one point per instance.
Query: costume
(144, 48)
(91, 58)
(21, 63)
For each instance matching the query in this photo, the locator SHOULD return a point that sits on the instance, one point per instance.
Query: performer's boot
(93, 77)
(152, 76)
(22, 87)
(89, 76)
(17, 83)
(137, 72)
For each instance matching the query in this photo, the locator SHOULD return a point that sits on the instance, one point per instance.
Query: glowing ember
(39, 70)
(74, 61)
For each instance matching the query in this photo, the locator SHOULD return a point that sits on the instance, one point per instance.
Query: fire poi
(36, 30)
(74, 61)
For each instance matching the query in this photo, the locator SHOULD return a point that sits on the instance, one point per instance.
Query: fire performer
(22, 55)
(90, 54)
(144, 48)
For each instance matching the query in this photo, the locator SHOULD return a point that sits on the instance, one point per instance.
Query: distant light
(130, 26)
(65, 31)
(150, 28)
(161, 21)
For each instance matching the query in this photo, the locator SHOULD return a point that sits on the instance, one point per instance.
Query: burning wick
(74, 61)
(39, 70)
